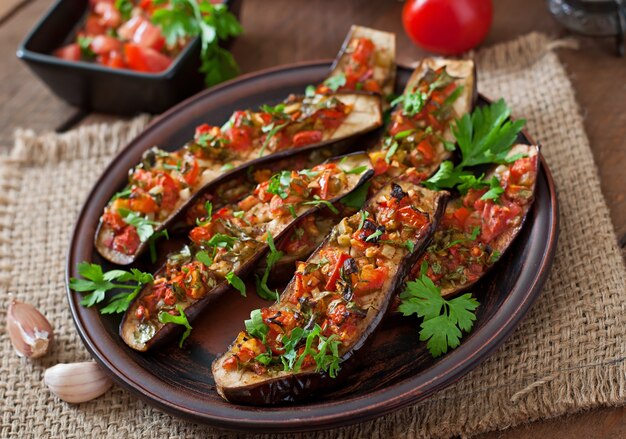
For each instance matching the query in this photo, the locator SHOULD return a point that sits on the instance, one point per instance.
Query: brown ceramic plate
(396, 370)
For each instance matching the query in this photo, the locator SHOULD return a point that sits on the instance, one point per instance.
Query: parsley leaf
(236, 282)
(255, 326)
(98, 283)
(144, 227)
(412, 102)
(180, 319)
(484, 136)
(191, 18)
(495, 190)
(152, 243)
(374, 235)
(335, 82)
(326, 203)
(357, 197)
(273, 257)
(279, 184)
(203, 257)
(271, 131)
(222, 241)
(443, 319)
(358, 170)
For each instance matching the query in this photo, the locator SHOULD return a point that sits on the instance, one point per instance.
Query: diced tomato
(103, 44)
(338, 314)
(127, 242)
(93, 26)
(410, 216)
(520, 167)
(363, 50)
(113, 219)
(336, 271)
(427, 151)
(495, 219)
(201, 234)
(248, 203)
(398, 125)
(230, 364)
(371, 85)
(71, 52)
(307, 138)
(140, 312)
(145, 59)
(109, 15)
(324, 181)
(142, 202)
(330, 117)
(371, 279)
(115, 60)
(192, 174)
(460, 216)
(240, 138)
(148, 35)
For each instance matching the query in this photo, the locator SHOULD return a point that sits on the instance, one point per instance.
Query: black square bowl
(94, 87)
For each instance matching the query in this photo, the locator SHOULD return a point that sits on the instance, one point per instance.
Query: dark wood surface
(284, 31)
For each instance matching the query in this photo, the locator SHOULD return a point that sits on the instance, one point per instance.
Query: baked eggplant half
(366, 61)
(227, 243)
(478, 227)
(419, 137)
(296, 347)
(164, 183)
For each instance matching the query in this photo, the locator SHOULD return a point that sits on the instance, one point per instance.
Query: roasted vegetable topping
(321, 312)
(164, 180)
(229, 237)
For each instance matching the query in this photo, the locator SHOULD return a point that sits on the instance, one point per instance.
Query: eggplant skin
(288, 388)
(169, 330)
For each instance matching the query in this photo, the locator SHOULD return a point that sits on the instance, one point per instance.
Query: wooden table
(292, 31)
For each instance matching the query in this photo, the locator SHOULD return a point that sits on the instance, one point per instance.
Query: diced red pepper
(336, 271)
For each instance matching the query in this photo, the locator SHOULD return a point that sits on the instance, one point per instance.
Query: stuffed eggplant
(450, 90)
(296, 347)
(366, 61)
(480, 225)
(165, 182)
(419, 136)
(228, 242)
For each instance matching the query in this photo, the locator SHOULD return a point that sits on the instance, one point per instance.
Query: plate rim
(379, 402)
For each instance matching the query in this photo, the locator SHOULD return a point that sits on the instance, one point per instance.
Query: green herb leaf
(236, 282)
(357, 197)
(364, 215)
(125, 7)
(309, 92)
(358, 170)
(273, 257)
(180, 319)
(412, 102)
(495, 190)
(336, 81)
(279, 184)
(443, 319)
(409, 245)
(152, 243)
(98, 283)
(374, 235)
(255, 326)
(272, 129)
(85, 47)
(326, 203)
(404, 134)
(143, 226)
(203, 257)
(222, 241)
(265, 358)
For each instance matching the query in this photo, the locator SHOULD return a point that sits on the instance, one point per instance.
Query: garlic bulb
(30, 332)
(77, 382)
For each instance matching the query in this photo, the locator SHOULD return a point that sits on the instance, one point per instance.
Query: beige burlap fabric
(567, 355)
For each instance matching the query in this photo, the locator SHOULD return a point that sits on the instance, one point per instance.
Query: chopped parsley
(273, 257)
(236, 282)
(180, 319)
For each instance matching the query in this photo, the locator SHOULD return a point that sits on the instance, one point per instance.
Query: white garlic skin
(30, 332)
(77, 382)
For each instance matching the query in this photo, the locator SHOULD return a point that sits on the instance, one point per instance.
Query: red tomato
(307, 138)
(71, 52)
(109, 15)
(371, 279)
(448, 27)
(412, 217)
(334, 275)
(144, 59)
(200, 234)
(127, 241)
(240, 138)
(363, 51)
(93, 26)
(103, 44)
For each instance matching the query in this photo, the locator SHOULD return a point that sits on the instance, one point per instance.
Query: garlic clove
(30, 332)
(77, 382)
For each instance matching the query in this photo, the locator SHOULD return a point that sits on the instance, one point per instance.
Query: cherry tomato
(447, 27)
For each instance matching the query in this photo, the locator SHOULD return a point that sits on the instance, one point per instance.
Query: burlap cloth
(567, 355)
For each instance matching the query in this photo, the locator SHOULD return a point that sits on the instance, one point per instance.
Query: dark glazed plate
(396, 370)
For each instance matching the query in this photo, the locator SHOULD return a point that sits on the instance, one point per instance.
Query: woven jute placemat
(567, 355)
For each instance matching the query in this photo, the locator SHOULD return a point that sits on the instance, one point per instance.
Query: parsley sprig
(443, 319)
(210, 22)
(97, 283)
(180, 319)
(485, 136)
(273, 257)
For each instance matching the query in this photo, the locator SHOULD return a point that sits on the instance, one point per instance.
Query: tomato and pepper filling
(323, 310)
(464, 245)
(415, 137)
(224, 241)
(165, 180)
(358, 72)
